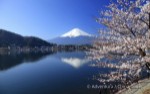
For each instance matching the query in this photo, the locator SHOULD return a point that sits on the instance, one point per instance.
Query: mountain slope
(34, 41)
(75, 36)
(8, 39)
(75, 40)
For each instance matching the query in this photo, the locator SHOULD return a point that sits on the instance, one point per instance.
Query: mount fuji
(75, 36)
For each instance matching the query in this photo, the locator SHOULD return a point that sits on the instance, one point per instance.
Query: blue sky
(48, 19)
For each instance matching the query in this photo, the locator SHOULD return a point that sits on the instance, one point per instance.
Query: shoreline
(137, 88)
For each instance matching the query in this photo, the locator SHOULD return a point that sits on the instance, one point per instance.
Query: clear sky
(48, 19)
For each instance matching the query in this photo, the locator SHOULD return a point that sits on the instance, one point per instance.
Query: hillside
(11, 39)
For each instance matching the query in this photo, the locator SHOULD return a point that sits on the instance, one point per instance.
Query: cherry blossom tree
(125, 37)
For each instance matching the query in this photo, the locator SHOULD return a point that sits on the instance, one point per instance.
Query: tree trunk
(148, 65)
(149, 20)
(141, 52)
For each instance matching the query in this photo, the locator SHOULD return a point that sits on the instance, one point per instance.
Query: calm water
(49, 73)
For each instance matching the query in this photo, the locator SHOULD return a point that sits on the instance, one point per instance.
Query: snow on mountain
(76, 32)
(75, 36)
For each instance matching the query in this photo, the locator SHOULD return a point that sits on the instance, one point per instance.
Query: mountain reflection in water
(75, 62)
(46, 73)
(11, 60)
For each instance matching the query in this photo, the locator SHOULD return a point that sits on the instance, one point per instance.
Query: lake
(48, 73)
(53, 73)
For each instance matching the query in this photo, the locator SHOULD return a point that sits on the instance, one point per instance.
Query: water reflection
(75, 62)
(8, 61)
(46, 73)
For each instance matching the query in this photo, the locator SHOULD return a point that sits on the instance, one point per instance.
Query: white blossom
(126, 35)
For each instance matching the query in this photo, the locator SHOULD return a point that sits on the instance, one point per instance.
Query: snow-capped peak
(76, 32)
